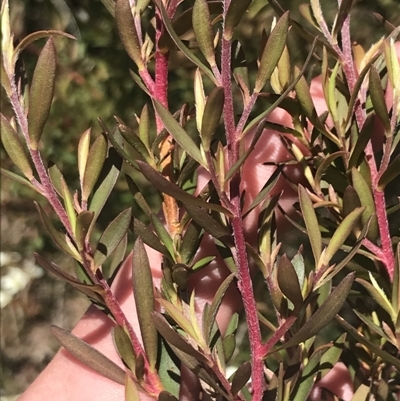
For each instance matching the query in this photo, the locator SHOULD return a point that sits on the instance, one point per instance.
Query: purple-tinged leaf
(127, 32)
(390, 359)
(289, 282)
(237, 9)
(93, 291)
(165, 396)
(390, 173)
(112, 236)
(203, 30)
(57, 236)
(143, 292)
(89, 356)
(212, 115)
(241, 377)
(167, 187)
(14, 148)
(41, 92)
(83, 223)
(272, 52)
(148, 237)
(95, 162)
(324, 314)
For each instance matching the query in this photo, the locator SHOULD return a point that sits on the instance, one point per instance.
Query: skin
(66, 379)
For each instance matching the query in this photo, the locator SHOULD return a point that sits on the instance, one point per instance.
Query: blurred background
(92, 81)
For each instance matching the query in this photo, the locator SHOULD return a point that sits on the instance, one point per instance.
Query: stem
(279, 333)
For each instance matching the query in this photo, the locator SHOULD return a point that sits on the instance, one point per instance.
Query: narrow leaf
(241, 377)
(324, 314)
(41, 92)
(203, 30)
(390, 173)
(148, 237)
(391, 360)
(236, 10)
(341, 234)
(83, 154)
(124, 347)
(112, 236)
(289, 282)
(216, 303)
(89, 356)
(212, 115)
(82, 225)
(57, 236)
(14, 148)
(144, 296)
(378, 98)
(357, 153)
(307, 379)
(310, 218)
(167, 187)
(178, 133)
(131, 391)
(272, 52)
(19, 179)
(95, 161)
(127, 32)
(363, 190)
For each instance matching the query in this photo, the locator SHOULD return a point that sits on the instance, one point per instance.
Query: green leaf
(210, 316)
(175, 339)
(14, 148)
(241, 377)
(310, 218)
(27, 40)
(57, 236)
(332, 355)
(190, 243)
(112, 236)
(163, 234)
(82, 225)
(236, 10)
(361, 393)
(307, 379)
(377, 293)
(144, 126)
(324, 314)
(229, 344)
(169, 368)
(272, 52)
(93, 291)
(167, 187)
(19, 179)
(95, 162)
(378, 98)
(396, 282)
(89, 356)
(289, 282)
(131, 391)
(127, 32)
(212, 115)
(357, 153)
(178, 133)
(340, 235)
(391, 360)
(326, 163)
(106, 182)
(184, 49)
(390, 173)
(363, 190)
(143, 292)
(124, 347)
(203, 30)
(41, 92)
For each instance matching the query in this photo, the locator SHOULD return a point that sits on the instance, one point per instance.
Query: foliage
(341, 146)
